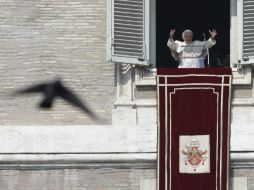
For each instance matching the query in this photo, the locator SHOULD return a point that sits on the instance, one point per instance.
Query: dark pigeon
(54, 89)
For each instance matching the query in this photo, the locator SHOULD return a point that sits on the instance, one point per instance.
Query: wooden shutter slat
(128, 30)
(248, 28)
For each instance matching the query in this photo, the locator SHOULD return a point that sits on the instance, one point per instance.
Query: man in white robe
(190, 54)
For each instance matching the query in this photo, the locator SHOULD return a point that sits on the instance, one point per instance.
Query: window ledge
(145, 77)
(242, 75)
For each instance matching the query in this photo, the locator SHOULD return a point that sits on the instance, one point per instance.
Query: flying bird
(54, 89)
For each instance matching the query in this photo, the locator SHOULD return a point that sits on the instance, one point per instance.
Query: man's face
(187, 37)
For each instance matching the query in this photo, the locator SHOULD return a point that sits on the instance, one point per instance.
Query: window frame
(242, 72)
(146, 34)
(241, 58)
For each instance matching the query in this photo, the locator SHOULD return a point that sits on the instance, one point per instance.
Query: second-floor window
(139, 29)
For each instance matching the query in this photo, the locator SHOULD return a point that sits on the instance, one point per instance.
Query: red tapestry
(193, 132)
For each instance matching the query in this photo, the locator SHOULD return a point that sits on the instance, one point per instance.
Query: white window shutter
(129, 31)
(245, 13)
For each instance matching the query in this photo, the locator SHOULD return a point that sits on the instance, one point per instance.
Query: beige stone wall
(242, 179)
(101, 179)
(75, 179)
(40, 40)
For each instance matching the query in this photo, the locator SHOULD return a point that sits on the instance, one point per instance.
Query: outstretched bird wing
(74, 100)
(33, 89)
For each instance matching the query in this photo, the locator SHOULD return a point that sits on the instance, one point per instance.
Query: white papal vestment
(190, 55)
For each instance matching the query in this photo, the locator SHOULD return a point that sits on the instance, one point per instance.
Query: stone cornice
(105, 160)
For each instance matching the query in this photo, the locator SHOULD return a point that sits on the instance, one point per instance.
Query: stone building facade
(63, 149)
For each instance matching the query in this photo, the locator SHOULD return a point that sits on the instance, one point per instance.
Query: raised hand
(213, 33)
(172, 33)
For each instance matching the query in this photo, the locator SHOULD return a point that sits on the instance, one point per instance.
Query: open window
(199, 16)
(128, 36)
(138, 31)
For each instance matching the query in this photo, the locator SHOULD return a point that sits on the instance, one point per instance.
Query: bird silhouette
(54, 89)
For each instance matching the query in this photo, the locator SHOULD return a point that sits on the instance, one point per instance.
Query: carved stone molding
(242, 75)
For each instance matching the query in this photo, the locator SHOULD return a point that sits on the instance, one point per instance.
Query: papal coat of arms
(194, 154)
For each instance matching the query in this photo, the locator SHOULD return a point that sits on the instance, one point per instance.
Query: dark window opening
(198, 16)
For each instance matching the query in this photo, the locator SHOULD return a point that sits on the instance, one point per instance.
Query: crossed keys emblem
(194, 156)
